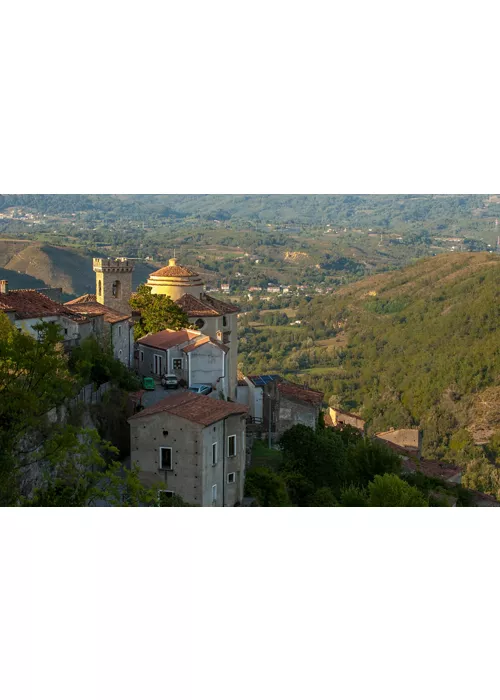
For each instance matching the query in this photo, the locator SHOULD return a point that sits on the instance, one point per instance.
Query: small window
(119, 353)
(119, 330)
(166, 458)
(214, 454)
(65, 331)
(224, 321)
(231, 446)
(231, 478)
(142, 355)
(99, 292)
(214, 494)
(164, 497)
(177, 364)
(199, 323)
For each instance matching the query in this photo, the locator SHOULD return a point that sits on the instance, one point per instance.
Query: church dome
(175, 280)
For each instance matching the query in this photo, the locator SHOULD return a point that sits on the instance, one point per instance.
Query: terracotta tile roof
(433, 469)
(351, 415)
(82, 300)
(167, 339)
(195, 307)
(194, 407)
(205, 306)
(223, 307)
(174, 271)
(202, 341)
(28, 303)
(294, 391)
(93, 308)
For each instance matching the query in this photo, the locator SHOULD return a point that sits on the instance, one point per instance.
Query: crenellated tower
(114, 282)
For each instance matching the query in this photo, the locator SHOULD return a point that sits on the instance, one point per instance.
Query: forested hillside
(415, 347)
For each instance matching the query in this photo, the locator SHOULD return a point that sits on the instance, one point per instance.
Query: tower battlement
(113, 265)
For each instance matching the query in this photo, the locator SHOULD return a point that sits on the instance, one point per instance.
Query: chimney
(4, 286)
(172, 262)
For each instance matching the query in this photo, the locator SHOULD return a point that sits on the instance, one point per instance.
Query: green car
(148, 383)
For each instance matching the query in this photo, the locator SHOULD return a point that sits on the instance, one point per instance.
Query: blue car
(200, 389)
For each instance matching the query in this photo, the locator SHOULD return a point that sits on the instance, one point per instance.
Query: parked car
(169, 381)
(200, 389)
(148, 383)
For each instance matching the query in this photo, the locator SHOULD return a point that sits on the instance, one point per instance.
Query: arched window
(199, 324)
(99, 288)
(116, 289)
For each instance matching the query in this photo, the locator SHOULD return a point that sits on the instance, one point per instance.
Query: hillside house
(335, 418)
(115, 325)
(190, 355)
(192, 446)
(26, 308)
(408, 439)
(280, 404)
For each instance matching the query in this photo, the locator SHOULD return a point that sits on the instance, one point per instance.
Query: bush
(391, 491)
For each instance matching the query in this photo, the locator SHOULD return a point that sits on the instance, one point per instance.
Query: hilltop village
(193, 423)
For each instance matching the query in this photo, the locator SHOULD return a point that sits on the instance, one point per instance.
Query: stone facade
(114, 283)
(337, 419)
(206, 463)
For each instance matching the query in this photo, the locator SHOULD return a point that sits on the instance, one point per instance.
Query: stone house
(408, 439)
(192, 446)
(116, 327)
(280, 404)
(291, 404)
(335, 418)
(26, 308)
(191, 355)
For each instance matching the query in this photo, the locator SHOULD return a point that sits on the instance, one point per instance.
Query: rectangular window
(214, 494)
(231, 478)
(142, 355)
(119, 330)
(231, 446)
(177, 364)
(166, 458)
(214, 454)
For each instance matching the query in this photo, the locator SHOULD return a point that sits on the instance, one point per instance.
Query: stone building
(408, 439)
(114, 283)
(335, 418)
(277, 404)
(191, 355)
(192, 446)
(116, 326)
(26, 308)
(291, 404)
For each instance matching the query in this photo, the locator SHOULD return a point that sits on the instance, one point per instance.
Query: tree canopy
(158, 312)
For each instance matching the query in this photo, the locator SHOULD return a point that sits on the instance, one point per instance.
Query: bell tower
(114, 283)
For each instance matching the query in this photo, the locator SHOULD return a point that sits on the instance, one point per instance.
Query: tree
(268, 488)
(87, 474)
(34, 380)
(353, 497)
(391, 491)
(368, 458)
(158, 312)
